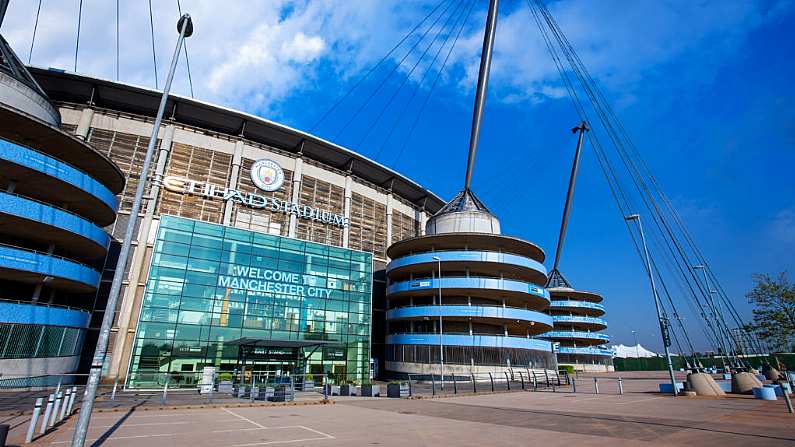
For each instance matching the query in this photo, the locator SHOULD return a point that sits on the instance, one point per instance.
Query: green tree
(774, 315)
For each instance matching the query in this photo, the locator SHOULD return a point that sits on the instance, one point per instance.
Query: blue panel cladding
(25, 313)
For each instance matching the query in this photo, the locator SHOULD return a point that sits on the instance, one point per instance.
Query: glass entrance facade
(210, 285)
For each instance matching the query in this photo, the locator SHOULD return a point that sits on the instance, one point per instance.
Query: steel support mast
(185, 28)
(666, 338)
(581, 128)
(480, 95)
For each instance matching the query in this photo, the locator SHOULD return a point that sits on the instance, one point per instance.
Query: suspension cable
(375, 67)
(389, 75)
(407, 76)
(606, 116)
(117, 40)
(430, 90)
(604, 163)
(152, 33)
(187, 59)
(418, 85)
(35, 27)
(77, 41)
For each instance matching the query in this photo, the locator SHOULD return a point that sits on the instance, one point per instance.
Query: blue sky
(703, 87)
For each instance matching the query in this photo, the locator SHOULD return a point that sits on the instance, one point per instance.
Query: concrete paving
(517, 418)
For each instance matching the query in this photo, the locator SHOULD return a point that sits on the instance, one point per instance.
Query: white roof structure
(636, 351)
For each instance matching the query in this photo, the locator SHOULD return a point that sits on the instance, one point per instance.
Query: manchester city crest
(267, 175)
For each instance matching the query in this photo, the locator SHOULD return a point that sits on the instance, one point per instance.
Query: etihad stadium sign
(268, 176)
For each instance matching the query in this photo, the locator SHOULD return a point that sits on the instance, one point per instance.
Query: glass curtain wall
(210, 284)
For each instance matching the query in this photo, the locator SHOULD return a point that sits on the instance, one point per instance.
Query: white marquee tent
(636, 351)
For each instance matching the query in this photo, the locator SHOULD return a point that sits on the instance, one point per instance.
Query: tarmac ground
(638, 417)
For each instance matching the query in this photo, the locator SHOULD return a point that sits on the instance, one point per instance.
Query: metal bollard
(787, 399)
(433, 386)
(66, 398)
(411, 388)
(521, 377)
(113, 393)
(47, 412)
(210, 393)
(325, 388)
(164, 397)
(254, 384)
(595, 386)
(72, 399)
(535, 381)
(455, 385)
(55, 409)
(620, 386)
(573, 385)
(33, 419)
(474, 385)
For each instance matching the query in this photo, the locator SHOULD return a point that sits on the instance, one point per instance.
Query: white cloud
(252, 54)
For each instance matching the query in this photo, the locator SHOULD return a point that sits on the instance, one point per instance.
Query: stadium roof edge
(63, 86)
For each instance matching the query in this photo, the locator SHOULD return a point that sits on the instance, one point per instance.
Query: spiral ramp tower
(468, 291)
(56, 195)
(577, 317)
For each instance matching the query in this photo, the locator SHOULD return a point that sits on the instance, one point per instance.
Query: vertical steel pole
(185, 27)
(483, 82)
(581, 128)
(441, 326)
(663, 324)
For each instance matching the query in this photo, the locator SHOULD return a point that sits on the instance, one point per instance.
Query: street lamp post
(185, 28)
(658, 307)
(441, 327)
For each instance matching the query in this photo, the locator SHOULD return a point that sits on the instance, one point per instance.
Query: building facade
(56, 195)
(218, 293)
(577, 317)
(234, 170)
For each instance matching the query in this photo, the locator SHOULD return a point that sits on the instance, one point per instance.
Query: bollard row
(60, 405)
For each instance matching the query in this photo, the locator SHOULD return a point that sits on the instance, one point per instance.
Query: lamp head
(633, 217)
(188, 26)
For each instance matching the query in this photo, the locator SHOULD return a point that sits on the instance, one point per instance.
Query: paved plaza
(639, 417)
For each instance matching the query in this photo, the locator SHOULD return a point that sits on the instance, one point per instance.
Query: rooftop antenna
(556, 279)
(480, 95)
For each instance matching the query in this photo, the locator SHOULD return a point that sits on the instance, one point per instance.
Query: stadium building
(56, 194)
(258, 243)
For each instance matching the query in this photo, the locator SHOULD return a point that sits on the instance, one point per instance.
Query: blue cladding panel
(470, 311)
(508, 285)
(485, 341)
(575, 319)
(584, 351)
(576, 334)
(467, 256)
(37, 161)
(31, 261)
(580, 304)
(22, 313)
(36, 211)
